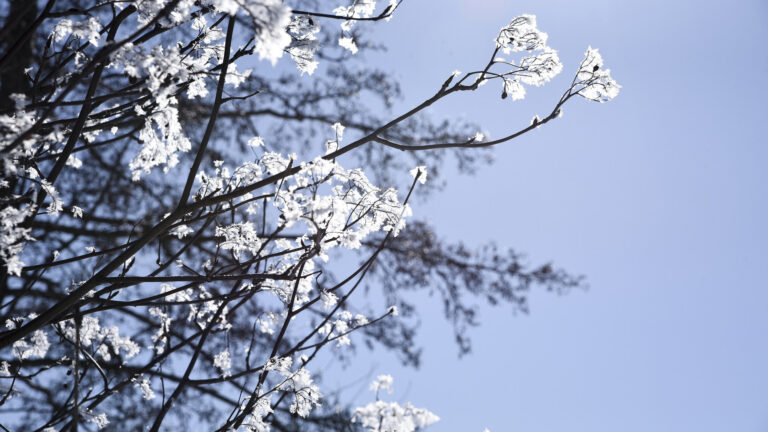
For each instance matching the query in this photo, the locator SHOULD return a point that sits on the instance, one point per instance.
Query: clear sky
(658, 197)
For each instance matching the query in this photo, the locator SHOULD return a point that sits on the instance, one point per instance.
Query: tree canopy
(197, 197)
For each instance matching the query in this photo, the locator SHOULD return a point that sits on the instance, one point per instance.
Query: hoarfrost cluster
(380, 416)
(595, 82)
(523, 35)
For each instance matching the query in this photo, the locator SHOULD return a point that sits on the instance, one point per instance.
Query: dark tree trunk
(17, 52)
(15, 56)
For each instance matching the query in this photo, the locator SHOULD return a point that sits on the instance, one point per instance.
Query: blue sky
(658, 197)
